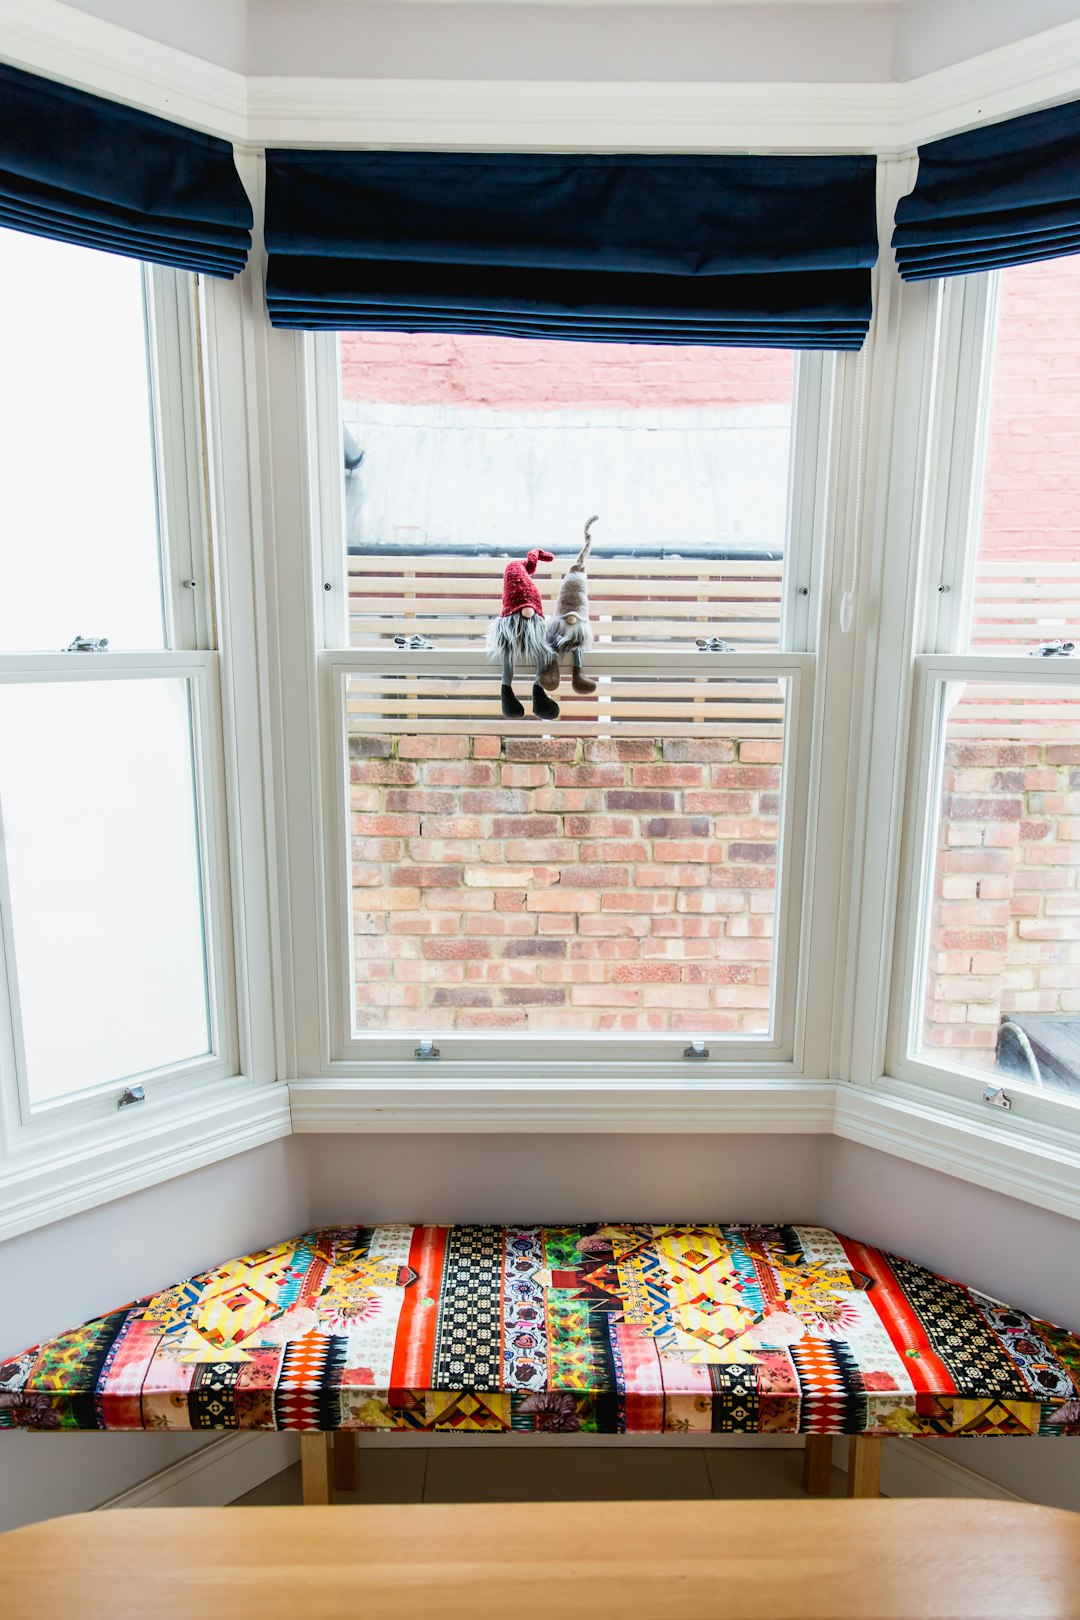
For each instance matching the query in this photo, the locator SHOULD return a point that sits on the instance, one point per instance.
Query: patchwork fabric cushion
(754, 1329)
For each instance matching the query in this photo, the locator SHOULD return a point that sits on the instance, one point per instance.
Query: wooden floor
(600, 1474)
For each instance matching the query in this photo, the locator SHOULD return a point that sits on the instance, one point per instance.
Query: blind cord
(847, 601)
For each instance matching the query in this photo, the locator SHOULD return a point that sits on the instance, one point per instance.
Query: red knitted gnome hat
(518, 589)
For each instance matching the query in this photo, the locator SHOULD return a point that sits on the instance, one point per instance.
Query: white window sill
(136, 1150)
(1030, 1160)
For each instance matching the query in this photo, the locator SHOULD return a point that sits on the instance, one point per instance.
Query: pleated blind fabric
(85, 170)
(1004, 194)
(762, 251)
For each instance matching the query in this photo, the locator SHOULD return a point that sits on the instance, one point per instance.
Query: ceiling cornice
(48, 37)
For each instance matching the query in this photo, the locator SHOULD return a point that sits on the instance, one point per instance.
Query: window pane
(1027, 585)
(98, 801)
(588, 877)
(1003, 983)
(78, 508)
(463, 451)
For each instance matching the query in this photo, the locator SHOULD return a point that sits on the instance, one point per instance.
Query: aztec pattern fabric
(691, 1329)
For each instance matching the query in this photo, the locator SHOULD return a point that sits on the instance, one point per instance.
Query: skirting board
(216, 1475)
(229, 1467)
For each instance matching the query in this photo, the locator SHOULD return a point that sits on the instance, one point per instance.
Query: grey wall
(1013, 1251)
(215, 30)
(565, 1178)
(742, 43)
(933, 34)
(859, 40)
(60, 1275)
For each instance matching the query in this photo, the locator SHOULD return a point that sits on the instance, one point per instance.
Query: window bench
(603, 1329)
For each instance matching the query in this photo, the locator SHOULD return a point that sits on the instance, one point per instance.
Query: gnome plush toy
(569, 630)
(520, 634)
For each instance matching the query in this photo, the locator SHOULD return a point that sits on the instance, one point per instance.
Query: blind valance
(721, 250)
(85, 170)
(1004, 194)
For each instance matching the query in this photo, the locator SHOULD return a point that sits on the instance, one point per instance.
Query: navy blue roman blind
(1004, 194)
(769, 251)
(81, 169)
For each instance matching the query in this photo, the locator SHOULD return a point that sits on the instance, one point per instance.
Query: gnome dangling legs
(520, 634)
(569, 629)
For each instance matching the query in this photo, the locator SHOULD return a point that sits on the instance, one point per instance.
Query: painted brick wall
(555, 883)
(402, 368)
(1031, 503)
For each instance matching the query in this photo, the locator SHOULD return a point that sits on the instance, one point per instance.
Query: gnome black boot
(543, 707)
(511, 708)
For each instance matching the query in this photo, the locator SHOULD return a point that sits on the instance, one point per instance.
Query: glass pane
(461, 452)
(1027, 583)
(1003, 983)
(586, 877)
(97, 795)
(78, 506)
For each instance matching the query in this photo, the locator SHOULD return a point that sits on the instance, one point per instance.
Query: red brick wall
(556, 883)
(1005, 927)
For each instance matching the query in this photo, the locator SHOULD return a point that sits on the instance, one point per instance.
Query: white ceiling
(734, 41)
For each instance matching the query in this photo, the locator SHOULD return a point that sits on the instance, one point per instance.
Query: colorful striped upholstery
(752, 1329)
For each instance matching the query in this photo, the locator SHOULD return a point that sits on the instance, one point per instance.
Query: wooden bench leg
(315, 1469)
(864, 1466)
(817, 1464)
(346, 1455)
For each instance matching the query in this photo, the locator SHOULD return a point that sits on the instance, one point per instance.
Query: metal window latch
(133, 1094)
(427, 1049)
(88, 644)
(1053, 649)
(697, 1051)
(997, 1096)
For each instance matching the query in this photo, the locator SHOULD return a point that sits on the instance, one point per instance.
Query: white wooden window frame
(176, 390)
(576, 1052)
(905, 1060)
(963, 382)
(573, 1055)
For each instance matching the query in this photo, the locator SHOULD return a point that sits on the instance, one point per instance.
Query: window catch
(804, 590)
(997, 1096)
(427, 1049)
(943, 590)
(188, 584)
(88, 644)
(697, 1051)
(133, 1094)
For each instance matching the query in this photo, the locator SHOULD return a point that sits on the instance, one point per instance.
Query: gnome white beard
(513, 639)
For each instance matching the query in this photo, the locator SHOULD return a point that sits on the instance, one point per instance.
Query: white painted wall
(63, 1274)
(443, 475)
(1013, 1251)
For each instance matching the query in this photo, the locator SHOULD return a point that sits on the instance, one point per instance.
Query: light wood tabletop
(740, 1560)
